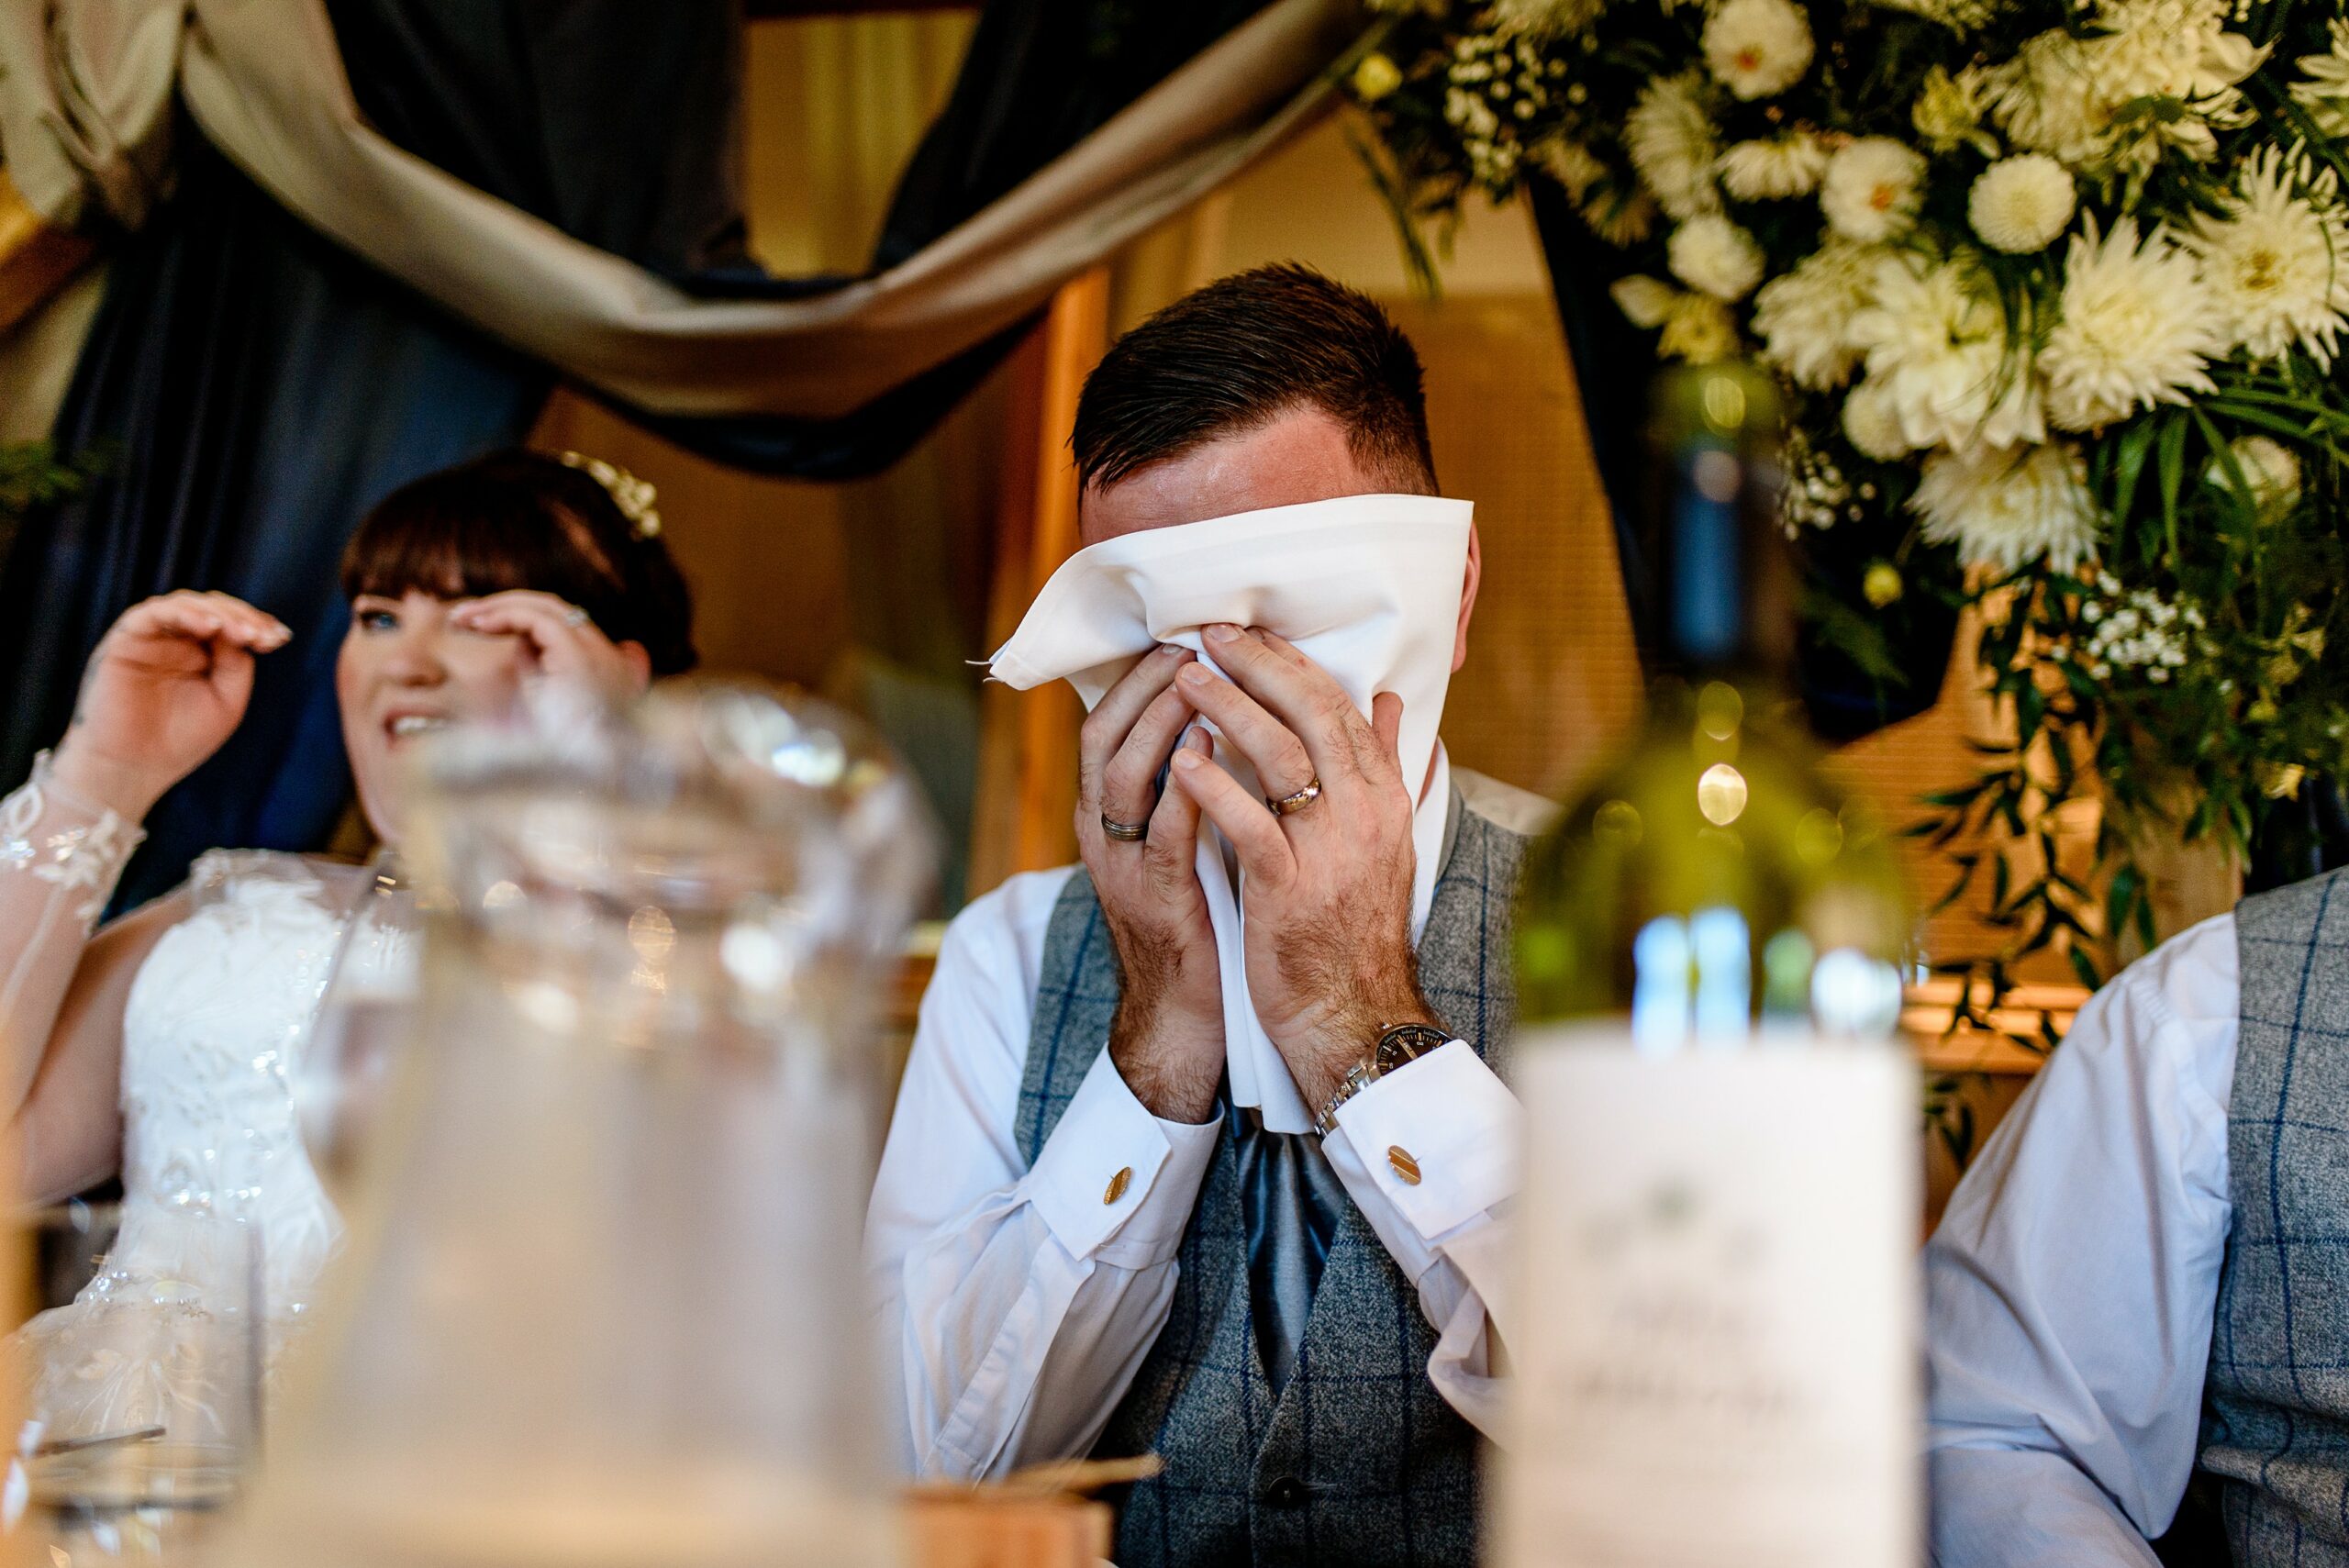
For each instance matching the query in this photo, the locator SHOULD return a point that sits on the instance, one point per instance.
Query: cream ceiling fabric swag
(85, 89)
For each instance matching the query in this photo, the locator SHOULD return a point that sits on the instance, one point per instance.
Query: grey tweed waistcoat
(1357, 1462)
(2275, 1421)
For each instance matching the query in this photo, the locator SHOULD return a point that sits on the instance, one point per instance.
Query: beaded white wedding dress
(218, 1190)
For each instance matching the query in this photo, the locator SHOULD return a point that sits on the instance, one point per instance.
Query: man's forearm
(1172, 1061)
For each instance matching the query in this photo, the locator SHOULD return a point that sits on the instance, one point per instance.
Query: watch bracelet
(1369, 1070)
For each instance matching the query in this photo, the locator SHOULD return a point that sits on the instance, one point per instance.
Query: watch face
(1408, 1042)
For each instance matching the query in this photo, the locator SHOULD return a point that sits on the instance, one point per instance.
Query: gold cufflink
(1404, 1165)
(1125, 1178)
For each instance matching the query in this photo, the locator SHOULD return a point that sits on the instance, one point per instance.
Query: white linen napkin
(1366, 586)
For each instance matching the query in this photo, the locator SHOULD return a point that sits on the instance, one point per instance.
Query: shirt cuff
(1439, 1139)
(1116, 1181)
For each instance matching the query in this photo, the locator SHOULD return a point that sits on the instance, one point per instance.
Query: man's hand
(1167, 1038)
(164, 687)
(1328, 894)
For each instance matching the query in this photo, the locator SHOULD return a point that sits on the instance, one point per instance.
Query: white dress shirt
(2072, 1284)
(1015, 1304)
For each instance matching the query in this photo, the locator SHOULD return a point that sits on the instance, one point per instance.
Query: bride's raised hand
(165, 686)
(563, 641)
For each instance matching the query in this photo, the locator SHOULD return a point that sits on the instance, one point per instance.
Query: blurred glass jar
(602, 1299)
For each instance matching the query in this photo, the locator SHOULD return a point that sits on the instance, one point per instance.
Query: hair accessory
(632, 495)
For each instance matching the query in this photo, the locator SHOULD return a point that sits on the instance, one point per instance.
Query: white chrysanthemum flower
(2135, 329)
(1871, 188)
(1803, 317)
(1940, 345)
(1700, 330)
(1757, 48)
(1949, 109)
(2277, 266)
(2045, 99)
(1671, 140)
(1546, 18)
(1571, 164)
(2179, 50)
(2159, 74)
(2270, 471)
(2019, 205)
(1644, 301)
(1714, 256)
(1774, 167)
(2009, 509)
(1621, 217)
(1872, 422)
(2323, 87)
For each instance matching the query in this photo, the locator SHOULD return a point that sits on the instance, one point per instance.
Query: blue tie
(1290, 1199)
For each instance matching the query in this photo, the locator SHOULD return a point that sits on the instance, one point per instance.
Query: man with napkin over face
(1201, 1147)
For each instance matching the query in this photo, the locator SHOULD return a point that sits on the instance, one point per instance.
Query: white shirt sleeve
(1442, 1208)
(2072, 1284)
(1015, 1304)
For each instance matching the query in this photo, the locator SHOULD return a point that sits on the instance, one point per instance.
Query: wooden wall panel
(1552, 681)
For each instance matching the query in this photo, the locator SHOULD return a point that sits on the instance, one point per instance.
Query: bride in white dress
(163, 1046)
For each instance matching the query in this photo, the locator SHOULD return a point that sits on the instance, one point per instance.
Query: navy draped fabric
(1040, 75)
(255, 390)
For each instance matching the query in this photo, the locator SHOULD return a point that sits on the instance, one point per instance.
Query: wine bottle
(1715, 1359)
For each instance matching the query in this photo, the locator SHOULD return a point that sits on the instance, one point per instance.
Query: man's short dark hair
(1241, 353)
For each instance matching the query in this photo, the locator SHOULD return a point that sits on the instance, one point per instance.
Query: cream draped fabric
(85, 90)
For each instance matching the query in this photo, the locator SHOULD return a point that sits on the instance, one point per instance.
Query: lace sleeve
(60, 858)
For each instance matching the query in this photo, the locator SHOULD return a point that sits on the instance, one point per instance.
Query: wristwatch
(1398, 1046)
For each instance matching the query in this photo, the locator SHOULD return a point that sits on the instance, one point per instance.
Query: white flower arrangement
(2057, 291)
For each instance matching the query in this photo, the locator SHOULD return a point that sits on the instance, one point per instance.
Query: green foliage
(32, 474)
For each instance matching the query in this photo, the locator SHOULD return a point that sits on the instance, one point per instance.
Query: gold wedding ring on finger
(1124, 833)
(1291, 804)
